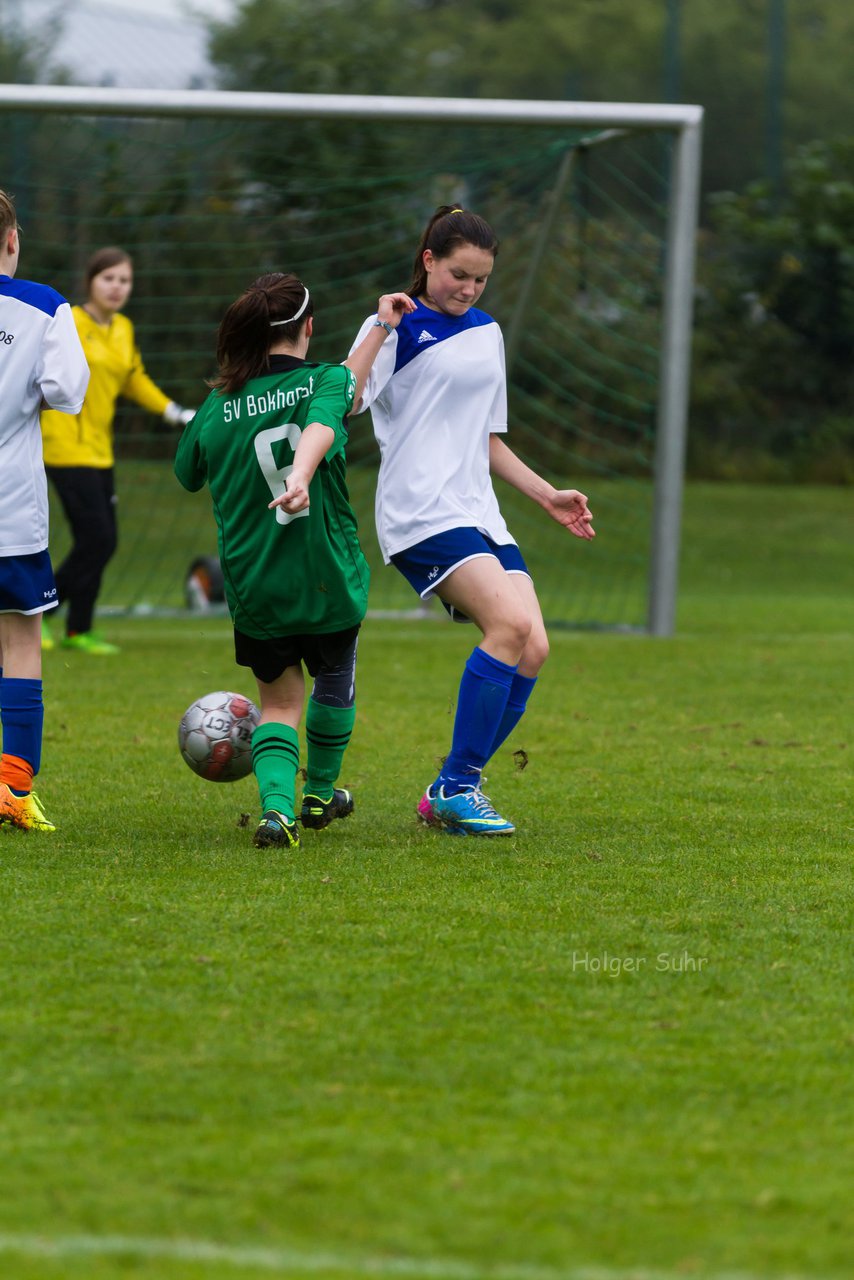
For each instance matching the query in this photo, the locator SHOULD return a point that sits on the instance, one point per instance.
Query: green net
(205, 204)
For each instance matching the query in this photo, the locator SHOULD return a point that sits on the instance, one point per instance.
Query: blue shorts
(26, 584)
(429, 562)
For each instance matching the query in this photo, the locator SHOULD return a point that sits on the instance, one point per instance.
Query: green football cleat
(90, 642)
(319, 813)
(23, 812)
(275, 829)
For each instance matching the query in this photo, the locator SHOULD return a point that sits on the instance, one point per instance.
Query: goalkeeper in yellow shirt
(78, 451)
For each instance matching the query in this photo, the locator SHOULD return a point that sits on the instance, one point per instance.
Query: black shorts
(267, 659)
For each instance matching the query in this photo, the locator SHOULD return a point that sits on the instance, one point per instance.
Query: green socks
(327, 731)
(275, 760)
(275, 756)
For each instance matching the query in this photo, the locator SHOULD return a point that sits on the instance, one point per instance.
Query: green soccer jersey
(284, 574)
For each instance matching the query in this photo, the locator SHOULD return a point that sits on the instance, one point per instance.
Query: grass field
(617, 1046)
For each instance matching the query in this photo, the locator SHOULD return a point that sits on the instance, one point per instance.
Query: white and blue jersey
(437, 390)
(41, 360)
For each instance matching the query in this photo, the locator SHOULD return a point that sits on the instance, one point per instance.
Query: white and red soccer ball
(215, 736)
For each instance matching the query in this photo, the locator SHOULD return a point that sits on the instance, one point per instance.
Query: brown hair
(8, 217)
(103, 259)
(450, 228)
(253, 323)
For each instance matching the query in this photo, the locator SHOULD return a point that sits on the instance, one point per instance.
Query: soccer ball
(215, 736)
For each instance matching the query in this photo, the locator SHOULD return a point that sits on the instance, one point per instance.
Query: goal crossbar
(198, 102)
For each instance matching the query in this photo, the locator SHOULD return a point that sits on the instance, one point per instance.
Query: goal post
(535, 161)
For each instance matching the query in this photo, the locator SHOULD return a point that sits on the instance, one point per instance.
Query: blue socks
(484, 693)
(22, 716)
(520, 691)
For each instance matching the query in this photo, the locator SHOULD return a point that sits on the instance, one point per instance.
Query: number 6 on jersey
(276, 476)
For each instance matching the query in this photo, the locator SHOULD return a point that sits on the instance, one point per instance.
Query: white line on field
(290, 1262)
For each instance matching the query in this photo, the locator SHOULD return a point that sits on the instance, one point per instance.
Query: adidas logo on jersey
(424, 336)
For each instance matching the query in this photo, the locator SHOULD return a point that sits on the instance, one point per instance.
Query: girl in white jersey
(437, 394)
(41, 362)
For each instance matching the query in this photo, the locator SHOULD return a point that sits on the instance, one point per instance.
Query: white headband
(298, 314)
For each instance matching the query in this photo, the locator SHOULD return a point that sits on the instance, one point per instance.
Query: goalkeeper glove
(175, 415)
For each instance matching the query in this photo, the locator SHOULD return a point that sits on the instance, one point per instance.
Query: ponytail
(450, 228)
(273, 309)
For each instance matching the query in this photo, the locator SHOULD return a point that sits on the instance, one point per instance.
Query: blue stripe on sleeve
(39, 296)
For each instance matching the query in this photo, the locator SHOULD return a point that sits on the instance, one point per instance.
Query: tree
(775, 323)
(24, 56)
(330, 46)
(595, 50)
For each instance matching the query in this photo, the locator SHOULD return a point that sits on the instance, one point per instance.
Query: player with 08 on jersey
(41, 362)
(438, 399)
(269, 442)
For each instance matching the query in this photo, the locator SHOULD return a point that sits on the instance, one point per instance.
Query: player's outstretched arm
(314, 442)
(391, 309)
(567, 506)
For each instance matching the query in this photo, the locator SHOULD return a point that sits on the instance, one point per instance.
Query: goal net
(595, 214)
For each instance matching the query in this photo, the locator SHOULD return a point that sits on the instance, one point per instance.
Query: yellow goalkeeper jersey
(116, 369)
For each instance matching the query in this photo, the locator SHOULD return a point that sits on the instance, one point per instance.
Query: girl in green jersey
(269, 442)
